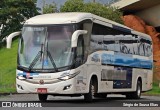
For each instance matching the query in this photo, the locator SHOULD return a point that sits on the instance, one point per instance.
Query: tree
(13, 13)
(108, 12)
(73, 6)
(112, 1)
(50, 8)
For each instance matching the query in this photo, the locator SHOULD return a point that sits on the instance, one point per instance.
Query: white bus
(75, 54)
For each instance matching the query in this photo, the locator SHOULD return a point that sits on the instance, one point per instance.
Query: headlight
(67, 76)
(20, 77)
(64, 78)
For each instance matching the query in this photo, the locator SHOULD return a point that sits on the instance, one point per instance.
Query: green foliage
(73, 6)
(108, 12)
(155, 90)
(13, 13)
(8, 62)
(50, 8)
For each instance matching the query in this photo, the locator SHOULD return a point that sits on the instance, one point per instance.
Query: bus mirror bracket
(10, 37)
(75, 36)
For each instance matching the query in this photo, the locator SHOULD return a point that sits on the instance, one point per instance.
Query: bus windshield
(45, 47)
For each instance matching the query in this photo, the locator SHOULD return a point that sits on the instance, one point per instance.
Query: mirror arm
(10, 37)
(76, 35)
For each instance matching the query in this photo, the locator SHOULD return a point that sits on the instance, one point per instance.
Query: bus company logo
(41, 82)
(6, 104)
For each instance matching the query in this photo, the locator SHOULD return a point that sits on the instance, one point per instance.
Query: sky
(61, 2)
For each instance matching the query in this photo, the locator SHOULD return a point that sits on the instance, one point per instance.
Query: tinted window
(118, 43)
(108, 42)
(135, 45)
(96, 42)
(107, 38)
(148, 49)
(127, 46)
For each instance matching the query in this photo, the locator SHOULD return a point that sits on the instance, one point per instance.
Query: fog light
(20, 87)
(67, 87)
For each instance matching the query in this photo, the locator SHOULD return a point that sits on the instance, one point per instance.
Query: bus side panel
(147, 83)
(112, 78)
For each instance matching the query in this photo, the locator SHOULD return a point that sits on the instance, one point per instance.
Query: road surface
(77, 103)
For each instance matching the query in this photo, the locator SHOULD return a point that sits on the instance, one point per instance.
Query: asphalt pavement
(112, 102)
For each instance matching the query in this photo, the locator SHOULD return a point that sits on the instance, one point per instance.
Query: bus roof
(74, 17)
(59, 18)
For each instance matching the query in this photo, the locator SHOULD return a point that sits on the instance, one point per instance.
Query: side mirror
(75, 36)
(10, 37)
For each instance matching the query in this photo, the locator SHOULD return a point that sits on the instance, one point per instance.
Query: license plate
(42, 90)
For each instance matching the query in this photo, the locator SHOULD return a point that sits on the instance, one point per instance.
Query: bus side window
(135, 45)
(97, 42)
(141, 49)
(148, 49)
(118, 43)
(128, 44)
(108, 42)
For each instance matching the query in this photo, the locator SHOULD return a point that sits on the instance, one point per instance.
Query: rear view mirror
(75, 36)
(10, 37)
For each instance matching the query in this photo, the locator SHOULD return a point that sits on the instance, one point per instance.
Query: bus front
(45, 60)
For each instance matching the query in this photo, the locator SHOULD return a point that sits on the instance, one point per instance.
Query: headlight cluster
(21, 77)
(67, 76)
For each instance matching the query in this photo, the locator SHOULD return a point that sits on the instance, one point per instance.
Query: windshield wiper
(39, 54)
(52, 61)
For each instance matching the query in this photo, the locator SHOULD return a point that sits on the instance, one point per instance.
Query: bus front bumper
(62, 87)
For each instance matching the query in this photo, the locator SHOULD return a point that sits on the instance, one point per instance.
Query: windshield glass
(46, 47)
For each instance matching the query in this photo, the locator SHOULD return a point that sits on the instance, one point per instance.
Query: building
(148, 10)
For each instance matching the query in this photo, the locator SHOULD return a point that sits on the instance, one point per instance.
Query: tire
(42, 97)
(101, 95)
(137, 93)
(92, 91)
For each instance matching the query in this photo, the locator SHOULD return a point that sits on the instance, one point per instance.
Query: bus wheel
(42, 97)
(92, 91)
(137, 93)
(101, 95)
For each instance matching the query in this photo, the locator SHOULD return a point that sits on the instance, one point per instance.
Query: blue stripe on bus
(121, 29)
(27, 75)
(125, 60)
(30, 74)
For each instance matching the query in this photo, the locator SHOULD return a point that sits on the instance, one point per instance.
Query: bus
(82, 54)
